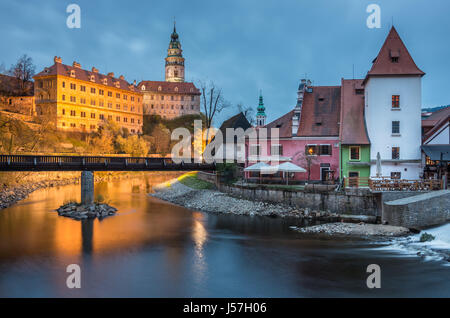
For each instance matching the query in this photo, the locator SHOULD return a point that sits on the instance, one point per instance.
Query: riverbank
(16, 186)
(360, 230)
(206, 199)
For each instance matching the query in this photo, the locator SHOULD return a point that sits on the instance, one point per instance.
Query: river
(155, 249)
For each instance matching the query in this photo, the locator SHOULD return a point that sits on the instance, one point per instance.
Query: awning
(435, 151)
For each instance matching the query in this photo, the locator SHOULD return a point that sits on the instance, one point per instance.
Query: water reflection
(155, 249)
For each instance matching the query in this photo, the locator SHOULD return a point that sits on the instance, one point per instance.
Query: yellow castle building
(80, 100)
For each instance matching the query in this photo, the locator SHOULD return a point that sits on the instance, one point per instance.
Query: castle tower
(261, 112)
(393, 101)
(174, 59)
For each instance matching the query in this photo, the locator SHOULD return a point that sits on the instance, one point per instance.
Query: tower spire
(261, 111)
(174, 59)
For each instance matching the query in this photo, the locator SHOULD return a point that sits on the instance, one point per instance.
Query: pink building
(308, 135)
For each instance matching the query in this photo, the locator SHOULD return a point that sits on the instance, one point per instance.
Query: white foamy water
(436, 250)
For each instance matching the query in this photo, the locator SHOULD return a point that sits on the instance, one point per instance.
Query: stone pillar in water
(87, 187)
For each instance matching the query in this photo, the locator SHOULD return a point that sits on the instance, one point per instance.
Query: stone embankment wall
(353, 202)
(420, 211)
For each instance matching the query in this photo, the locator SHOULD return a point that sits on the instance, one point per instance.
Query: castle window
(395, 101)
(117, 106)
(72, 73)
(117, 95)
(63, 84)
(92, 115)
(125, 97)
(73, 86)
(118, 119)
(83, 114)
(101, 116)
(92, 78)
(395, 127)
(395, 152)
(63, 111)
(159, 88)
(92, 90)
(109, 94)
(132, 120)
(101, 92)
(105, 81)
(72, 113)
(82, 88)
(143, 87)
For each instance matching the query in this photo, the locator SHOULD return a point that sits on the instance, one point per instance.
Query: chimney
(76, 64)
(57, 59)
(94, 70)
(122, 77)
(111, 74)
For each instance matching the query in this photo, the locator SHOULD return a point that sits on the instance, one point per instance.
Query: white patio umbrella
(378, 165)
(289, 167)
(257, 167)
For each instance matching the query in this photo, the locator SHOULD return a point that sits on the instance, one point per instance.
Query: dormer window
(117, 84)
(105, 81)
(92, 78)
(72, 73)
(159, 88)
(176, 89)
(394, 56)
(143, 88)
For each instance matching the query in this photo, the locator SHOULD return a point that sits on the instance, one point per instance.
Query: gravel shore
(354, 230)
(218, 202)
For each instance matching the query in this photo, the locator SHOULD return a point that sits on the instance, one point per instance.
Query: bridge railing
(39, 162)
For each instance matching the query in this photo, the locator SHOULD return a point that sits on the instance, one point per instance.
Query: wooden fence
(388, 184)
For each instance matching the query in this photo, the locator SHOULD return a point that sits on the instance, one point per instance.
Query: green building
(354, 141)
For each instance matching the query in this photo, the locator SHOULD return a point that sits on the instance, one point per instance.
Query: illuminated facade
(173, 97)
(80, 100)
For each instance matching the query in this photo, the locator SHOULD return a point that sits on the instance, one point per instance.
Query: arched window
(143, 87)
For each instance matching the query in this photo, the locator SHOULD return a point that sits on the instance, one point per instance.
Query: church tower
(261, 113)
(174, 59)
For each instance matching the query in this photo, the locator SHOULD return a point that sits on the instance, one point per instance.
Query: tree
(213, 103)
(133, 145)
(23, 70)
(307, 159)
(248, 112)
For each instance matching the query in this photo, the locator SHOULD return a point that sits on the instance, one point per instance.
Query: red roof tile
(353, 126)
(393, 47)
(169, 87)
(320, 112)
(84, 75)
(284, 124)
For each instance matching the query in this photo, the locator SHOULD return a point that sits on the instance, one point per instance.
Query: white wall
(379, 116)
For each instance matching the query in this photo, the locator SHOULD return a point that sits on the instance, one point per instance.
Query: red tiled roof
(352, 130)
(393, 47)
(84, 75)
(169, 87)
(284, 123)
(320, 112)
(435, 117)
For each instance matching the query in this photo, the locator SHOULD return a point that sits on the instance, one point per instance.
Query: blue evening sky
(241, 45)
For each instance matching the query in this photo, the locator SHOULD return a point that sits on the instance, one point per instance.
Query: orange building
(81, 100)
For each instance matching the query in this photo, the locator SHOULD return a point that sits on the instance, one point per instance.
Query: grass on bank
(191, 180)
